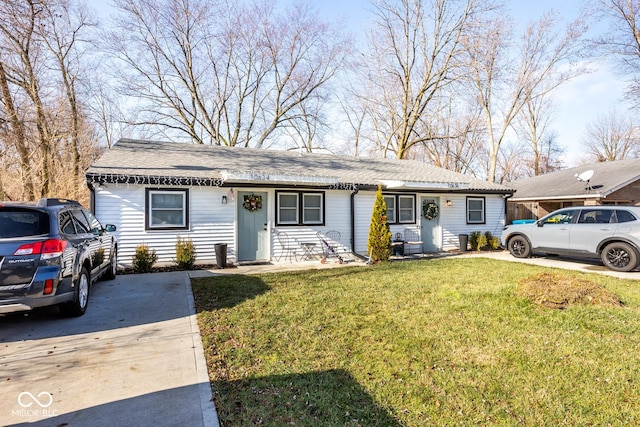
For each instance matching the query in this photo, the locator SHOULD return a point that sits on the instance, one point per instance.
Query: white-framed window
(312, 208)
(390, 201)
(287, 208)
(299, 208)
(406, 209)
(401, 208)
(167, 209)
(476, 210)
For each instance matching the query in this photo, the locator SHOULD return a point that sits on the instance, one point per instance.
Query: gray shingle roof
(144, 159)
(607, 178)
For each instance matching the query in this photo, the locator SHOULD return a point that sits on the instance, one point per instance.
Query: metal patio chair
(412, 240)
(287, 247)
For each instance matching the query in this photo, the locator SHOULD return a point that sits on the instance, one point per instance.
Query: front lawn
(440, 342)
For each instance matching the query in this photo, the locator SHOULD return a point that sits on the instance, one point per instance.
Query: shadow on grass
(218, 292)
(322, 398)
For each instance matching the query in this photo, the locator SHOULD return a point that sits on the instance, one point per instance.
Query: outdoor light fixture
(449, 203)
(224, 200)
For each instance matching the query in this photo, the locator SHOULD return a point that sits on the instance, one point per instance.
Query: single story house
(157, 191)
(603, 183)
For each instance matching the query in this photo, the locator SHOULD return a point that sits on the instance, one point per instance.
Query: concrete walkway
(135, 359)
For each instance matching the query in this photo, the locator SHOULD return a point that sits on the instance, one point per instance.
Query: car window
(20, 222)
(625, 216)
(564, 217)
(66, 223)
(595, 216)
(82, 225)
(94, 224)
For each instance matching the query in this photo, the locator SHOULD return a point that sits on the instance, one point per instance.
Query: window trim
(297, 207)
(149, 192)
(397, 197)
(395, 204)
(300, 208)
(484, 209)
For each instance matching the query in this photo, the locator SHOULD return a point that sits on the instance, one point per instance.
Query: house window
(300, 208)
(401, 208)
(312, 208)
(167, 209)
(475, 210)
(287, 208)
(390, 201)
(406, 209)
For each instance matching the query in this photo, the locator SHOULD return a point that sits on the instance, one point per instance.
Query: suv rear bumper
(25, 303)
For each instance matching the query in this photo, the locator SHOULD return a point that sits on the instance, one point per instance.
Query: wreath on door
(252, 202)
(429, 210)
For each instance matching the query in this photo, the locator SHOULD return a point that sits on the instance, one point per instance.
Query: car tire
(619, 256)
(78, 306)
(112, 269)
(519, 247)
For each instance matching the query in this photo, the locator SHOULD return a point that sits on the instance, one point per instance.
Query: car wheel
(519, 247)
(619, 256)
(78, 306)
(112, 270)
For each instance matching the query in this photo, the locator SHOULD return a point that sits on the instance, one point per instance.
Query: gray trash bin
(221, 255)
(464, 241)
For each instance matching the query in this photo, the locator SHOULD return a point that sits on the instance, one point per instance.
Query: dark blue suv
(50, 254)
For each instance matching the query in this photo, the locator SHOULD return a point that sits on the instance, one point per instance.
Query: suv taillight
(48, 248)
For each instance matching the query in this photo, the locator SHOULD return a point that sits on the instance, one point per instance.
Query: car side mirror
(110, 228)
(539, 223)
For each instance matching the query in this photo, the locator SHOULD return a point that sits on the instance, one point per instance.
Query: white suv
(611, 233)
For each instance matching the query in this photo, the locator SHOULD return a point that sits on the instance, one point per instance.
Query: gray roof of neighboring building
(159, 162)
(607, 178)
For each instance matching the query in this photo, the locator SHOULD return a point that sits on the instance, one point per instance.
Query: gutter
(536, 199)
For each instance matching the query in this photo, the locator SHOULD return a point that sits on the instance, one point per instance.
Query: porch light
(224, 200)
(449, 203)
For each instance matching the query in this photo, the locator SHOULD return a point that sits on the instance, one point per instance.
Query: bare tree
(45, 129)
(413, 51)
(503, 85)
(461, 147)
(533, 126)
(226, 73)
(612, 137)
(623, 40)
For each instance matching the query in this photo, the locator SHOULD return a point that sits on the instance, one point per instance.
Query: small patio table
(309, 250)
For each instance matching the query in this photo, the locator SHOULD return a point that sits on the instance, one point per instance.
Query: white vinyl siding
(210, 222)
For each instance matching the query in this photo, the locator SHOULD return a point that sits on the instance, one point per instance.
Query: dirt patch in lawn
(554, 290)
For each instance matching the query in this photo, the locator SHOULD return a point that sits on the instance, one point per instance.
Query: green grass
(443, 342)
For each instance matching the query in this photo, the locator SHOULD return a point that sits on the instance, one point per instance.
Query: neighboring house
(157, 191)
(605, 183)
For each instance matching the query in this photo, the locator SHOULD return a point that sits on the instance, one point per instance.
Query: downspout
(92, 197)
(506, 211)
(353, 220)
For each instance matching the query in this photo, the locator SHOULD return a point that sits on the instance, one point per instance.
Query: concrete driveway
(586, 266)
(135, 358)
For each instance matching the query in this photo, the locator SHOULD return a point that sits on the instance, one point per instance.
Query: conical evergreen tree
(379, 245)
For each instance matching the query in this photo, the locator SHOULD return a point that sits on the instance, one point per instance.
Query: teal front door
(253, 234)
(429, 228)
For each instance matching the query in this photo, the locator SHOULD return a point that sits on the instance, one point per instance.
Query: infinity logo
(45, 404)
